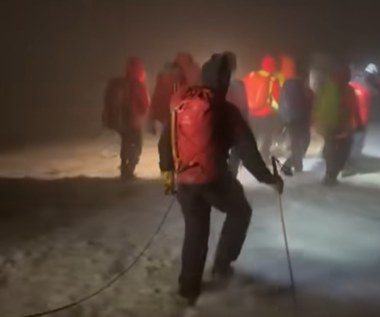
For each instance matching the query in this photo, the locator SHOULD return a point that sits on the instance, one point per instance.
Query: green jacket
(327, 107)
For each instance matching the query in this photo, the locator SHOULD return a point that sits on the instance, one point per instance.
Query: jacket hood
(287, 66)
(183, 59)
(232, 61)
(135, 69)
(268, 63)
(216, 73)
(188, 68)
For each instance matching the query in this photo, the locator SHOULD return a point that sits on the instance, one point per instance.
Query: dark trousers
(265, 129)
(336, 153)
(196, 202)
(358, 143)
(131, 147)
(299, 136)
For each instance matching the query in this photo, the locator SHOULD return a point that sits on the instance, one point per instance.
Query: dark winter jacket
(296, 100)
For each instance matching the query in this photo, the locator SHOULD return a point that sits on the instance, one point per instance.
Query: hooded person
(338, 118)
(183, 71)
(125, 105)
(194, 149)
(263, 92)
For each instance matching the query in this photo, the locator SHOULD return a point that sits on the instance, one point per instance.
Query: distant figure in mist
(237, 96)
(126, 102)
(295, 107)
(263, 92)
(364, 89)
(183, 71)
(337, 116)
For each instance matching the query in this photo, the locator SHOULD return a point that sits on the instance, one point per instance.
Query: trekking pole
(290, 268)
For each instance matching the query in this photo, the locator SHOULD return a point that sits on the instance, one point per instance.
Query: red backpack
(192, 126)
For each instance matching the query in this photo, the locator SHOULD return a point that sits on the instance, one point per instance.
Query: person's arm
(354, 104)
(165, 153)
(246, 146)
(166, 160)
(144, 99)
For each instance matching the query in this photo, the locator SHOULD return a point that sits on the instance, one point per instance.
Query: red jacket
(126, 99)
(137, 97)
(350, 115)
(363, 98)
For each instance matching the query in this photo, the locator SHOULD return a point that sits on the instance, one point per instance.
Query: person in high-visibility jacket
(263, 92)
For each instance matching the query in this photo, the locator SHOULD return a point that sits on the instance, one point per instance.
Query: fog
(56, 56)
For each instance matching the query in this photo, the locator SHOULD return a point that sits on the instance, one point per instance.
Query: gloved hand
(278, 184)
(168, 182)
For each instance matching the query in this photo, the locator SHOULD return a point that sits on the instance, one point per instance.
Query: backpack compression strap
(191, 92)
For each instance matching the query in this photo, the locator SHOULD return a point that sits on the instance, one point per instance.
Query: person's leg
(196, 213)
(290, 162)
(306, 139)
(329, 153)
(302, 141)
(228, 196)
(343, 152)
(134, 149)
(123, 155)
(358, 142)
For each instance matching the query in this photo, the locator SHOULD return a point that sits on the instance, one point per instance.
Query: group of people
(211, 122)
(341, 115)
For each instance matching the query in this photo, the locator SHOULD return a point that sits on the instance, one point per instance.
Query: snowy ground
(67, 225)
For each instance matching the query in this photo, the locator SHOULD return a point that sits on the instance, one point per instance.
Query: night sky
(56, 55)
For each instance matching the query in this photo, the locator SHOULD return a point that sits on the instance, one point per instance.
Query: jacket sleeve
(144, 99)
(245, 143)
(355, 108)
(166, 161)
